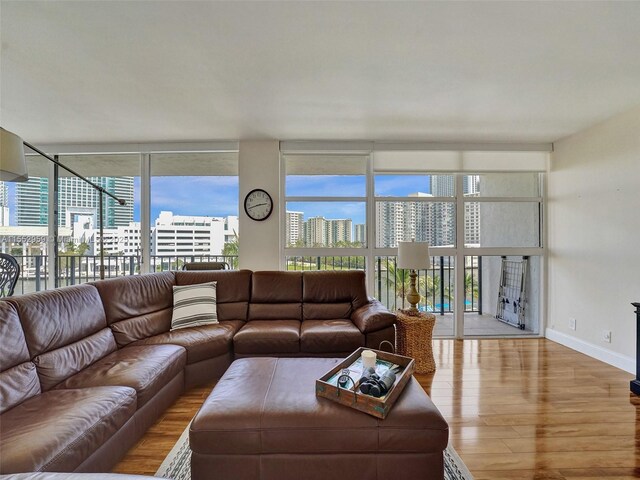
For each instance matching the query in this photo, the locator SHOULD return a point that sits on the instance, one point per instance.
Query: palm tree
(471, 290)
(231, 249)
(399, 280)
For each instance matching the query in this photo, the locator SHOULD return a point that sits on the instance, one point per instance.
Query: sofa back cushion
(137, 306)
(333, 294)
(233, 288)
(18, 377)
(65, 330)
(276, 296)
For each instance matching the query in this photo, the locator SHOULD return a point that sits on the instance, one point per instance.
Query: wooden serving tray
(327, 387)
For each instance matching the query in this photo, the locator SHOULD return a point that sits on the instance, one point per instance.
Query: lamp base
(413, 297)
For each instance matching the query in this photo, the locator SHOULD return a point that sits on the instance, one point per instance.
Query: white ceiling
(142, 71)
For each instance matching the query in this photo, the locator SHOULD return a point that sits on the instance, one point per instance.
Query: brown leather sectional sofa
(85, 370)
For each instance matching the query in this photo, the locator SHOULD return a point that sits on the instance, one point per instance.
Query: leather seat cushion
(59, 429)
(201, 343)
(321, 336)
(269, 406)
(145, 368)
(268, 337)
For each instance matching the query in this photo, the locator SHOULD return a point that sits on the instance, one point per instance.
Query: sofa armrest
(372, 317)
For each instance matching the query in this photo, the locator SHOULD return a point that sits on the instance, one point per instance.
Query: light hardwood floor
(517, 409)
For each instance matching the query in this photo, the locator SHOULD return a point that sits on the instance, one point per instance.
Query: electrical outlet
(606, 336)
(572, 323)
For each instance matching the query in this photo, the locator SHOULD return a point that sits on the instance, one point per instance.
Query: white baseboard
(628, 364)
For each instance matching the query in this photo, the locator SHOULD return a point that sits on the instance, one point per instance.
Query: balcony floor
(475, 324)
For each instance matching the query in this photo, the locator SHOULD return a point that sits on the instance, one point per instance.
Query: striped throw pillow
(194, 305)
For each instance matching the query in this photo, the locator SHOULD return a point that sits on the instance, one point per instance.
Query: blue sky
(218, 196)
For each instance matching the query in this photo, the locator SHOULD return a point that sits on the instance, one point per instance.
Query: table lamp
(413, 256)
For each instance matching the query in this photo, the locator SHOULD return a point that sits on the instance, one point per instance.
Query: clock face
(258, 204)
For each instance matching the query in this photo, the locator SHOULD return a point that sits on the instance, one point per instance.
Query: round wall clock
(258, 204)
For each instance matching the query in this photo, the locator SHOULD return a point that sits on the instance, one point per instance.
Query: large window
(326, 199)
(191, 207)
(194, 209)
(470, 215)
(24, 225)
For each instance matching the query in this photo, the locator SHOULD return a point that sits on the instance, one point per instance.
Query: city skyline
(218, 196)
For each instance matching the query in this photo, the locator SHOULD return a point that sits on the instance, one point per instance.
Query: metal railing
(435, 284)
(77, 269)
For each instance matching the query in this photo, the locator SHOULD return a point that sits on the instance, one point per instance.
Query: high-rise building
(191, 235)
(405, 221)
(360, 233)
(294, 228)
(4, 205)
(338, 230)
(444, 186)
(32, 202)
(323, 232)
(315, 232)
(75, 197)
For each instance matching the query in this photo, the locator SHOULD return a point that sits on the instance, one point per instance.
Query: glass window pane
(502, 224)
(502, 295)
(325, 224)
(434, 285)
(194, 209)
(25, 229)
(526, 184)
(326, 262)
(432, 222)
(413, 185)
(326, 175)
(79, 217)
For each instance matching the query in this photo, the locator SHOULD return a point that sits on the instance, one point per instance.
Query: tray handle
(355, 395)
(393, 348)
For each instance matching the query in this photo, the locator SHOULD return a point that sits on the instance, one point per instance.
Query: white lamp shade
(413, 255)
(13, 167)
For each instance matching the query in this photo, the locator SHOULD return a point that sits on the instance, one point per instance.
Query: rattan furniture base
(414, 338)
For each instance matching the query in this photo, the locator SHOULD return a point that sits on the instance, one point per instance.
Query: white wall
(259, 242)
(594, 239)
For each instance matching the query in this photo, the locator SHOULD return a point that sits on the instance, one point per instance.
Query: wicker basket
(414, 338)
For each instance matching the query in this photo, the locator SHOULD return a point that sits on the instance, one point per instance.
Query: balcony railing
(76, 269)
(435, 285)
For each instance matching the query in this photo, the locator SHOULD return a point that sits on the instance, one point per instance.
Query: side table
(414, 338)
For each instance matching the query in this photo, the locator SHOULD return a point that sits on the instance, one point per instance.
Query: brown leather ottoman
(264, 421)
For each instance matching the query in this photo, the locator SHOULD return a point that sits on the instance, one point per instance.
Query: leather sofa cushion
(233, 288)
(326, 311)
(269, 406)
(275, 311)
(268, 337)
(55, 318)
(14, 347)
(135, 295)
(57, 365)
(335, 287)
(142, 326)
(59, 429)
(18, 378)
(201, 343)
(276, 287)
(18, 384)
(324, 336)
(372, 317)
(145, 368)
